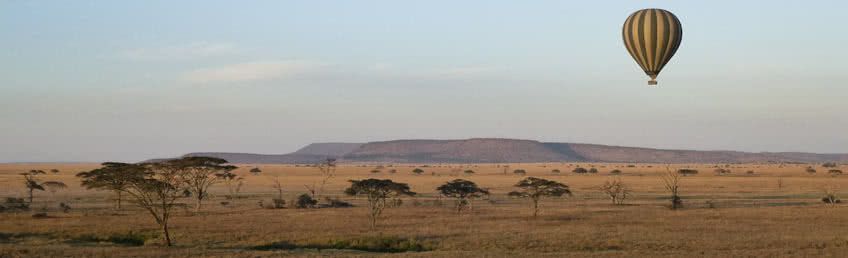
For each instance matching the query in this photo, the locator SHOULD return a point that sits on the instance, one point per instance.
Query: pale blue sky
(131, 80)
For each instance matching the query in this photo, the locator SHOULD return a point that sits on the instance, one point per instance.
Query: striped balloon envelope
(652, 36)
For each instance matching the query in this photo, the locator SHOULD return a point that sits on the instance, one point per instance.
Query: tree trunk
(30, 196)
(535, 207)
(166, 233)
(199, 203)
(118, 201)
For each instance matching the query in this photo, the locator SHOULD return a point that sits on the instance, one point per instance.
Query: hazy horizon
(128, 81)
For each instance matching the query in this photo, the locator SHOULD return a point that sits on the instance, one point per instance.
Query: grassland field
(776, 211)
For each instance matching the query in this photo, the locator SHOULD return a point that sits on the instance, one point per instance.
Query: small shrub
(418, 171)
(64, 207)
(834, 172)
(687, 171)
(580, 170)
(392, 171)
(304, 201)
(131, 239)
(40, 215)
(750, 172)
(255, 171)
(468, 172)
(336, 203)
(519, 172)
(128, 239)
(377, 244)
(810, 170)
(593, 170)
(722, 171)
(555, 171)
(831, 199)
(829, 165)
(279, 203)
(375, 171)
(14, 204)
(615, 172)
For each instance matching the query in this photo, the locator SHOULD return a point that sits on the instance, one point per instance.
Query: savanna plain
(759, 210)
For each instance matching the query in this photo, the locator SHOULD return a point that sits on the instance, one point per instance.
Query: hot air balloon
(652, 36)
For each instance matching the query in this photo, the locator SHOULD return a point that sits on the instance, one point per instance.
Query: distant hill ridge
(491, 150)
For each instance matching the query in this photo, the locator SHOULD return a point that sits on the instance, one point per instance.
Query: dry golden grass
(750, 216)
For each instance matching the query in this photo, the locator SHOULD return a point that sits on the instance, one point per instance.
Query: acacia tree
(464, 191)
(198, 174)
(232, 181)
(377, 191)
(112, 176)
(536, 188)
(32, 183)
(157, 189)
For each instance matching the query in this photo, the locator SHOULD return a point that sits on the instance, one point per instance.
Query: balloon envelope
(652, 36)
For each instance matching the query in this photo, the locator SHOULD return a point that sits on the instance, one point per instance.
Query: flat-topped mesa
(496, 150)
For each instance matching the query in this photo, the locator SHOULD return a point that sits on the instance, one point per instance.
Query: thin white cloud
(179, 52)
(251, 72)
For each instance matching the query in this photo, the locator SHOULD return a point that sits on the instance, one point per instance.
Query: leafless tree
(616, 190)
(328, 171)
(671, 181)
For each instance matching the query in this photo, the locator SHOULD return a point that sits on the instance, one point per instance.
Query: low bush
(279, 203)
(336, 203)
(687, 171)
(127, 239)
(304, 201)
(379, 244)
(14, 204)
